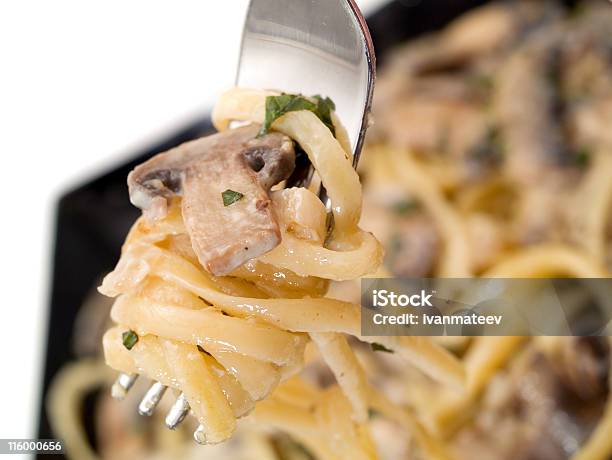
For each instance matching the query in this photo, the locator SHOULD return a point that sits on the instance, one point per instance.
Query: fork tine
(151, 399)
(178, 412)
(199, 435)
(122, 385)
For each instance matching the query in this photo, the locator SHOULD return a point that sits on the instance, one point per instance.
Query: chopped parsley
(230, 197)
(287, 448)
(582, 158)
(482, 81)
(394, 247)
(130, 338)
(490, 149)
(325, 106)
(380, 347)
(395, 243)
(277, 106)
(401, 208)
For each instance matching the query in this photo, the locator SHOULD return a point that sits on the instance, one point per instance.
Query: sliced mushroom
(223, 235)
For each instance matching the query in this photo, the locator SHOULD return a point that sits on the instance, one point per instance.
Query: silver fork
(296, 46)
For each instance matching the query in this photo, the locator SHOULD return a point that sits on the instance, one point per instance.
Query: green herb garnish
(394, 246)
(583, 158)
(230, 197)
(130, 338)
(277, 106)
(395, 243)
(290, 448)
(380, 347)
(481, 81)
(490, 149)
(325, 106)
(401, 208)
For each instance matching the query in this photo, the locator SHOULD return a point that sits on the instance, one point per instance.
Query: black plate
(93, 219)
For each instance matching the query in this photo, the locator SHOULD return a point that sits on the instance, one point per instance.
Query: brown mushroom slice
(158, 179)
(223, 235)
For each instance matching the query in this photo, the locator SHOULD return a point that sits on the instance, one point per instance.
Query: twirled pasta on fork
(222, 282)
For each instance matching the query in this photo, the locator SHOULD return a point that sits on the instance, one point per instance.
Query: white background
(81, 84)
